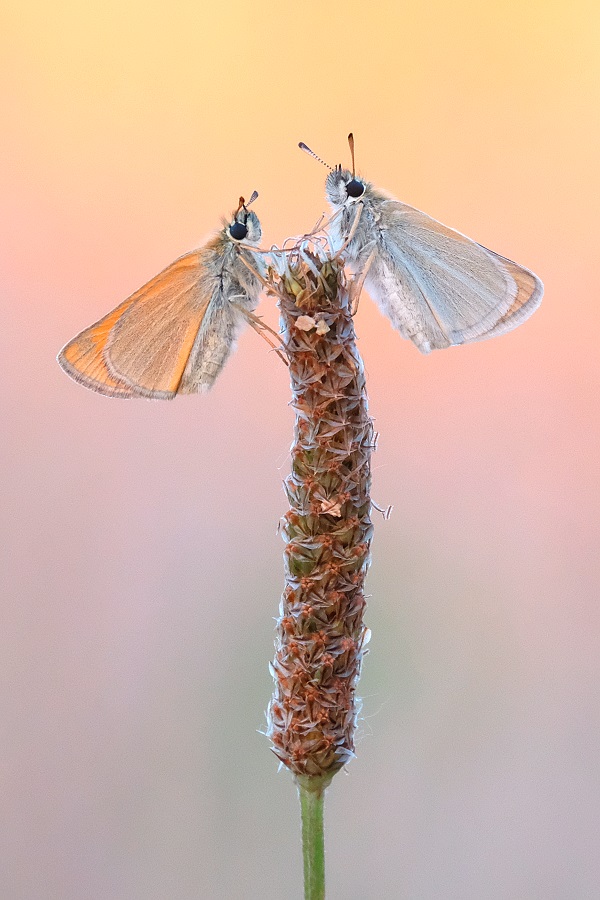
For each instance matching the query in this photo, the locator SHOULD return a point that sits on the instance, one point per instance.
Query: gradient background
(142, 568)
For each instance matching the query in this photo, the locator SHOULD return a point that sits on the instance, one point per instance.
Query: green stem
(312, 795)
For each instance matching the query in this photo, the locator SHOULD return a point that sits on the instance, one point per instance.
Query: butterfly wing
(142, 347)
(529, 296)
(439, 287)
(214, 344)
(83, 357)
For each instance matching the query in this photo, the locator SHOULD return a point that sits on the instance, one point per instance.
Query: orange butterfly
(174, 335)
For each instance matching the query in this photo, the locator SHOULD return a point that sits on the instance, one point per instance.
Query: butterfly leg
(352, 231)
(358, 282)
(265, 283)
(260, 328)
(324, 222)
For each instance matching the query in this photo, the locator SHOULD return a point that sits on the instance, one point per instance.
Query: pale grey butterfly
(437, 287)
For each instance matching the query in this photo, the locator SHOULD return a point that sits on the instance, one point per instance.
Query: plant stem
(313, 844)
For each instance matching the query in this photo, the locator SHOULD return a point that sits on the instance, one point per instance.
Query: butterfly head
(343, 187)
(245, 225)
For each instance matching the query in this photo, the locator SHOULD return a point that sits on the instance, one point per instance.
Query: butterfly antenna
(310, 152)
(240, 205)
(252, 198)
(351, 142)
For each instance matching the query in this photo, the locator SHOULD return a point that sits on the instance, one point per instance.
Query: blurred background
(142, 569)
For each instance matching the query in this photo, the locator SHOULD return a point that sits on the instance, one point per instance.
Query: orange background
(143, 570)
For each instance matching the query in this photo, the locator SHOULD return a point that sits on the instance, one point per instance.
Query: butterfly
(438, 287)
(175, 334)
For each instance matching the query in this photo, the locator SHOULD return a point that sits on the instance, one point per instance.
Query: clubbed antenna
(312, 153)
(242, 203)
(351, 142)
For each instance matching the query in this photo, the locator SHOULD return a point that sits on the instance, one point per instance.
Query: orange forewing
(141, 348)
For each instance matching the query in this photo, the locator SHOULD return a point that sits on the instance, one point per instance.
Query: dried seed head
(320, 632)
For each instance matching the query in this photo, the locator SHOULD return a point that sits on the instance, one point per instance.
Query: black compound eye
(238, 231)
(355, 188)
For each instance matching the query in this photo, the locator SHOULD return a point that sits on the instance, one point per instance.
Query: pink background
(142, 568)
